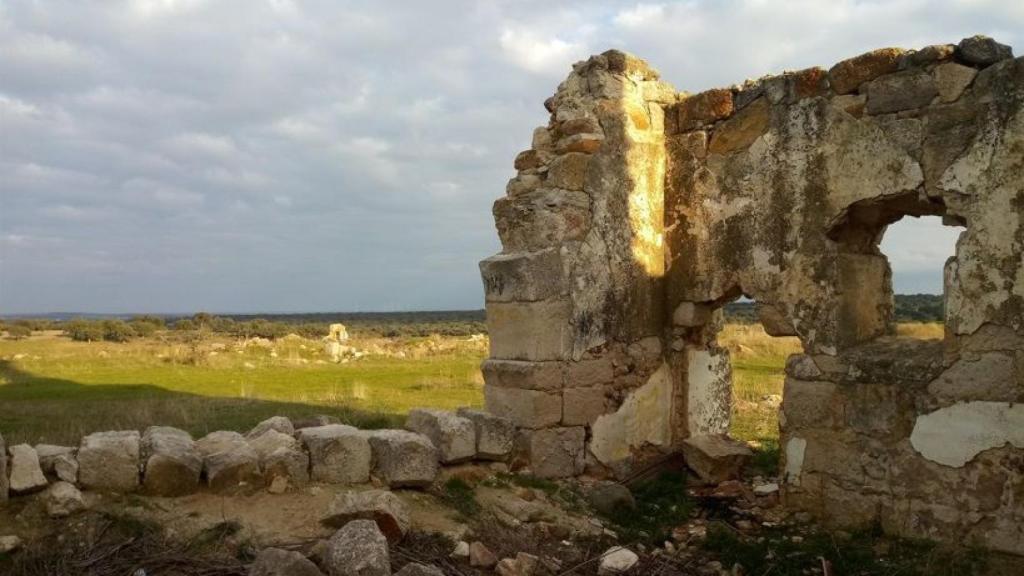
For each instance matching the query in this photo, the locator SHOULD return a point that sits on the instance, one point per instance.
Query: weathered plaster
(645, 418)
(954, 435)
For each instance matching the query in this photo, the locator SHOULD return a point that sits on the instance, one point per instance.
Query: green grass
(661, 504)
(458, 494)
(57, 390)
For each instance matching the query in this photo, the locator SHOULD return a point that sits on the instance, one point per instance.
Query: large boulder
(63, 499)
(403, 459)
(228, 460)
(338, 454)
(110, 461)
(495, 436)
(279, 423)
(453, 436)
(220, 441)
(26, 474)
(282, 459)
(4, 482)
(278, 562)
(715, 458)
(58, 462)
(389, 511)
(173, 463)
(358, 549)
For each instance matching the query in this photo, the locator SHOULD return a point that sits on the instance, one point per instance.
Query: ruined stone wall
(779, 190)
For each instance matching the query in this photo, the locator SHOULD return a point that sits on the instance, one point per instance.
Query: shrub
(117, 331)
(82, 330)
(18, 331)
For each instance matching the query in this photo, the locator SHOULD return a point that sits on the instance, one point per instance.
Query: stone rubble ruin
(640, 211)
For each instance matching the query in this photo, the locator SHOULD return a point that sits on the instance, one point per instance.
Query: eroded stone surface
(359, 548)
(26, 474)
(452, 435)
(171, 460)
(403, 459)
(338, 454)
(110, 461)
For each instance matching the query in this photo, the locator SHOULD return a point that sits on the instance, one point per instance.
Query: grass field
(54, 390)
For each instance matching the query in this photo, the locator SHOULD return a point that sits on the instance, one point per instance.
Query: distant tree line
(909, 308)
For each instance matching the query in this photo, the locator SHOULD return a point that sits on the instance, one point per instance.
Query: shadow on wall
(37, 409)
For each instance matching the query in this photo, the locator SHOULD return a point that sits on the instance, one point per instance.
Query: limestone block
(982, 50)
(172, 462)
(952, 79)
(589, 372)
(988, 376)
(557, 452)
(927, 55)
(281, 424)
(358, 548)
(403, 459)
(219, 442)
(900, 91)
(527, 160)
(716, 458)
(523, 374)
(495, 435)
(865, 307)
(110, 461)
(26, 474)
(810, 404)
(852, 104)
(58, 462)
(582, 406)
(236, 466)
(278, 562)
(581, 125)
(523, 276)
(382, 506)
(4, 481)
(585, 143)
(691, 314)
(285, 467)
(527, 408)
(338, 454)
(542, 218)
(453, 436)
(774, 320)
(530, 330)
(271, 440)
(740, 131)
(704, 108)
(522, 184)
(568, 171)
(847, 75)
(62, 499)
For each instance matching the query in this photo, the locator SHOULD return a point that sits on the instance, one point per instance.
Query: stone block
(585, 143)
(26, 474)
(359, 548)
(527, 408)
(523, 276)
(403, 459)
(110, 461)
(495, 435)
(5, 486)
(530, 330)
(278, 562)
(527, 160)
(233, 467)
(281, 424)
(810, 404)
(589, 372)
(382, 506)
(848, 75)
(62, 499)
(557, 452)
(523, 374)
(285, 467)
(865, 306)
(522, 184)
(542, 219)
(172, 462)
(989, 376)
(927, 55)
(581, 125)
(852, 104)
(219, 441)
(338, 454)
(453, 436)
(691, 314)
(774, 320)
(740, 131)
(704, 108)
(716, 458)
(951, 79)
(901, 91)
(58, 462)
(982, 50)
(582, 406)
(568, 171)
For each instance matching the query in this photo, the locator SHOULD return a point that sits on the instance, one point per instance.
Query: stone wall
(640, 212)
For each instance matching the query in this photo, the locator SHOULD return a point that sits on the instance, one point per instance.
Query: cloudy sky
(246, 155)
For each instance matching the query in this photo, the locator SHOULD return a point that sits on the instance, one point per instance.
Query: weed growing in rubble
(661, 505)
(458, 494)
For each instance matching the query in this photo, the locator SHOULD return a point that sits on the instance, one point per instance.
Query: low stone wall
(277, 455)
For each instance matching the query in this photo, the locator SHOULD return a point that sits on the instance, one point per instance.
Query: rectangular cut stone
(810, 405)
(581, 406)
(589, 372)
(495, 436)
(530, 330)
(865, 306)
(901, 91)
(527, 408)
(716, 458)
(523, 374)
(557, 452)
(847, 75)
(704, 108)
(523, 276)
(110, 461)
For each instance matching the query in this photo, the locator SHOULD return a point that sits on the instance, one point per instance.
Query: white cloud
(539, 54)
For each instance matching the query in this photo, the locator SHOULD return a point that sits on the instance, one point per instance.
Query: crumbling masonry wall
(639, 212)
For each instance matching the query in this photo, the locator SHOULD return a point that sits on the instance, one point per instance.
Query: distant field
(55, 390)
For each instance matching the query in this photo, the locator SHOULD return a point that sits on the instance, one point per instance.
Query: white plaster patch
(795, 449)
(954, 435)
(644, 418)
(708, 392)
